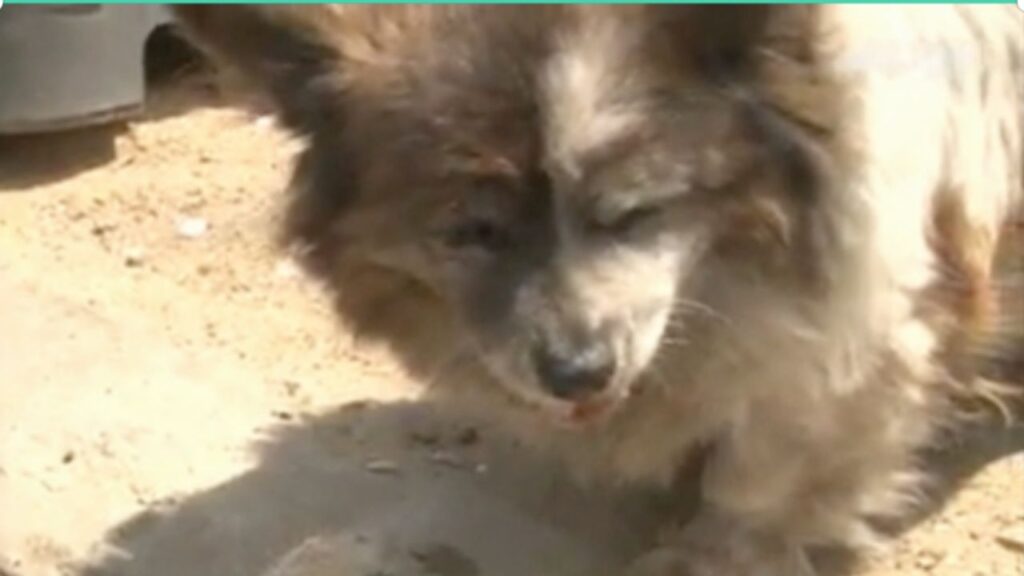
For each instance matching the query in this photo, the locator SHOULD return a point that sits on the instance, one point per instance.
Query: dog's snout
(575, 374)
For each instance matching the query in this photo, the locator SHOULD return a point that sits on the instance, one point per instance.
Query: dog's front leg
(788, 480)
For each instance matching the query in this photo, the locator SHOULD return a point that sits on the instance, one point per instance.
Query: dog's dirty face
(559, 178)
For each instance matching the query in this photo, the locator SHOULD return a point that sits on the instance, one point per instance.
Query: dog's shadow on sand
(427, 492)
(406, 490)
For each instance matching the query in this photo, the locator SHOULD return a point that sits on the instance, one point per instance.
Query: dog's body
(767, 232)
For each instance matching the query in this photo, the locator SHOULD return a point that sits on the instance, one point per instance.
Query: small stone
(447, 459)
(469, 436)
(265, 122)
(382, 467)
(928, 559)
(444, 559)
(287, 269)
(102, 229)
(68, 457)
(1012, 543)
(134, 257)
(430, 439)
(192, 227)
(291, 387)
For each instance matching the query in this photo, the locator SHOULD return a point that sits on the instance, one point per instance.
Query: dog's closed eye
(624, 222)
(479, 233)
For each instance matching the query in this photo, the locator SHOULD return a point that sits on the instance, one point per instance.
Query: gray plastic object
(71, 66)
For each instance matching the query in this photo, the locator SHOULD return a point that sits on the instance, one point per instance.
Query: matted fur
(780, 222)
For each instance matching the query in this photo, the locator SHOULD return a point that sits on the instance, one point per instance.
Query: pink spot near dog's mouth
(587, 409)
(575, 414)
(590, 410)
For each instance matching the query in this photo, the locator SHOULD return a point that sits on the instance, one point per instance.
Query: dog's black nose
(576, 374)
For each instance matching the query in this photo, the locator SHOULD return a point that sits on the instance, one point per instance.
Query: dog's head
(563, 180)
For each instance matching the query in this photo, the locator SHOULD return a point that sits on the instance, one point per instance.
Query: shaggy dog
(767, 234)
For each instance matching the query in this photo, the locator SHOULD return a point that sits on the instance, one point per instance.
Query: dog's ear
(778, 53)
(728, 40)
(724, 37)
(285, 51)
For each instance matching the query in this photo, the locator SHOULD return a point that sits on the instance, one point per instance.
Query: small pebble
(382, 467)
(425, 438)
(68, 457)
(444, 559)
(1011, 543)
(287, 269)
(265, 122)
(192, 227)
(447, 459)
(469, 436)
(928, 559)
(291, 387)
(134, 257)
(102, 229)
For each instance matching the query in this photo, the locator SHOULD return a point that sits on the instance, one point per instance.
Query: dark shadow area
(403, 476)
(37, 159)
(407, 478)
(168, 55)
(180, 79)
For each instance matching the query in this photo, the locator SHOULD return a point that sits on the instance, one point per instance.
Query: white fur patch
(584, 88)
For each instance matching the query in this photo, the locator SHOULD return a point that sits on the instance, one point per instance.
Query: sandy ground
(176, 399)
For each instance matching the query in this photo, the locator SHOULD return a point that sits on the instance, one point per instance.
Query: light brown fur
(779, 223)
